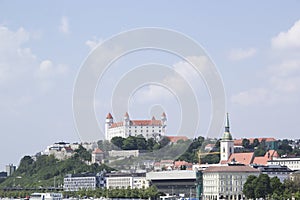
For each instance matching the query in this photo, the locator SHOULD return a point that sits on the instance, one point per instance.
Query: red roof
(263, 160)
(117, 124)
(109, 116)
(97, 150)
(182, 163)
(175, 139)
(239, 142)
(243, 158)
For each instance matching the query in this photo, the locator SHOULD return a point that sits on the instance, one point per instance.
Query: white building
(226, 182)
(75, 182)
(124, 153)
(10, 169)
(227, 143)
(97, 156)
(147, 128)
(292, 163)
(127, 181)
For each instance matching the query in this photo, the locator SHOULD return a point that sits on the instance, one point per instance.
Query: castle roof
(109, 116)
(139, 123)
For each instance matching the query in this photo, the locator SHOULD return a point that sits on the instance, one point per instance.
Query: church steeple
(227, 126)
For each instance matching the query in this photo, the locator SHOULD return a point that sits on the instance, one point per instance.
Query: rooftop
(233, 168)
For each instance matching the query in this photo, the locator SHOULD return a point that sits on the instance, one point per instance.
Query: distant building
(282, 172)
(10, 169)
(97, 156)
(292, 163)
(228, 154)
(124, 153)
(3, 175)
(175, 139)
(226, 182)
(148, 128)
(295, 176)
(76, 182)
(125, 180)
(176, 182)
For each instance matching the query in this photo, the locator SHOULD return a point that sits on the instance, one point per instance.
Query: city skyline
(255, 47)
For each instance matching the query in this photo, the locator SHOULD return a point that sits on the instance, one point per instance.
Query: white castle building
(148, 128)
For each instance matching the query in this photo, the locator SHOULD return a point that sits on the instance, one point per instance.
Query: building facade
(10, 169)
(174, 183)
(98, 156)
(75, 182)
(123, 180)
(226, 182)
(292, 163)
(148, 128)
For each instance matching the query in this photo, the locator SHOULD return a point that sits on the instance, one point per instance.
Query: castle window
(223, 150)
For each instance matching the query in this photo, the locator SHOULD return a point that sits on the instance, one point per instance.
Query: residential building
(148, 128)
(97, 156)
(88, 181)
(10, 169)
(282, 172)
(126, 180)
(293, 163)
(175, 182)
(226, 182)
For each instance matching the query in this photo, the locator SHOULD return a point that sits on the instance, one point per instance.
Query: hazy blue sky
(254, 44)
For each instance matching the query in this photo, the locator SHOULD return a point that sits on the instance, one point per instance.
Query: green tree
(262, 186)
(118, 141)
(276, 186)
(249, 187)
(255, 142)
(246, 143)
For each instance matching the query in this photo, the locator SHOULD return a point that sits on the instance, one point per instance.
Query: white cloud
(252, 96)
(288, 39)
(241, 54)
(64, 25)
(93, 42)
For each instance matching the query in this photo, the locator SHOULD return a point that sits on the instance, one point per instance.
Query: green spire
(227, 127)
(227, 135)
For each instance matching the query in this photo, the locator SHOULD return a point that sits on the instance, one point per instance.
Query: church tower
(227, 144)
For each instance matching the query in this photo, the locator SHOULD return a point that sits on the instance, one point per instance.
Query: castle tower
(227, 143)
(164, 119)
(108, 122)
(126, 119)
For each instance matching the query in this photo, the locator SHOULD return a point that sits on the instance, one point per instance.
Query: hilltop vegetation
(47, 170)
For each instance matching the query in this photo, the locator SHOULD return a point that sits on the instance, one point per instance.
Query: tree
(262, 186)
(246, 143)
(249, 187)
(276, 186)
(255, 142)
(118, 141)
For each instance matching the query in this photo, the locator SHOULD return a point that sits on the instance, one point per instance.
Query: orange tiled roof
(139, 123)
(263, 160)
(175, 139)
(243, 158)
(182, 163)
(97, 150)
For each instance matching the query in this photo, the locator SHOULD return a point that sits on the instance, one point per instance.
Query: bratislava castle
(148, 128)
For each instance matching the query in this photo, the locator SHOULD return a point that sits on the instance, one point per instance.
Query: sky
(254, 45)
